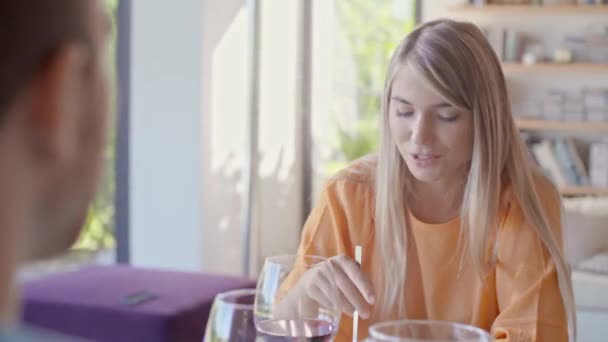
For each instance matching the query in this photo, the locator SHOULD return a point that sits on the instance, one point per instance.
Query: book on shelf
(576, 159)
(586, 104)
(598, 163)
(560, 160)
(508, 44)
(495, 37)
(544, 154)
(570, 162)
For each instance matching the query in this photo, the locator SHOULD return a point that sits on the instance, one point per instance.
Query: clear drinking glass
(420, 330)
(286, 310)
(231, 317)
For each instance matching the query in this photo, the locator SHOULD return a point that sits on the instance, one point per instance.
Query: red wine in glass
(300, 330)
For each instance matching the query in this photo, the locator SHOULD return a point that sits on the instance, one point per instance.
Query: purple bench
(121, 303)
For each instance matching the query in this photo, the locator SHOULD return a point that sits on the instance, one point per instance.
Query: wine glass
(231, 317)
(420, 330)
(296, 300)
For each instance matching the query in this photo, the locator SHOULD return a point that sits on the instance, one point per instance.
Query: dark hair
(31, 32)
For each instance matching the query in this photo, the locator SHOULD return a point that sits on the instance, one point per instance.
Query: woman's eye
(405, 113)
(448, 117)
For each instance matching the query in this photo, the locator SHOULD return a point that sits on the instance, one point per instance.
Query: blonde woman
(454, 221)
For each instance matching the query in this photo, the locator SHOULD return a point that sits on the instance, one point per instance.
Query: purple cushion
(92, 303)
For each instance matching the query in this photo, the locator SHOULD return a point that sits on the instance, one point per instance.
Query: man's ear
(57, 95)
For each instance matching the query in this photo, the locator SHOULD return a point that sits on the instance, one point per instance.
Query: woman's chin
(425, 175)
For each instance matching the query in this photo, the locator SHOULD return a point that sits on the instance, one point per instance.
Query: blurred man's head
(54, 101)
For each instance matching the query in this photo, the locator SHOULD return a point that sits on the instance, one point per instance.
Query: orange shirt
(519, 301)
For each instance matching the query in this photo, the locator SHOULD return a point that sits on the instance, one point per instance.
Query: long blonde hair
(460, 64)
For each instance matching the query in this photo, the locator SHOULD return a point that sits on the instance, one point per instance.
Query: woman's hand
(351, 289)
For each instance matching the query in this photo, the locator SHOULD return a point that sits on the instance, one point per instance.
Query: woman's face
(434, 137)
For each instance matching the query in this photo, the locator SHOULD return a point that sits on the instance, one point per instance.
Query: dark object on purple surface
(90, 303)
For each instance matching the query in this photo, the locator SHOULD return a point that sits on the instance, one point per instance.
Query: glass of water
(421, 330)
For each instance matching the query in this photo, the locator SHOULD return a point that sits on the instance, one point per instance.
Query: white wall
(165, 136)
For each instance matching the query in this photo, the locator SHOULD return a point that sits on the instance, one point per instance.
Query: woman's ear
(57, 96)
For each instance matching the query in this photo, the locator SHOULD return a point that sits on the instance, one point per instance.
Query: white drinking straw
(358, 253)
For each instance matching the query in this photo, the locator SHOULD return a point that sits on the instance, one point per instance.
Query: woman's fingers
(345, 305)
(359, 279)
(317, 293)
(347, 287)
(341, 282)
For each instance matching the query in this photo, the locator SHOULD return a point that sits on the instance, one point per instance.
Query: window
(98, 233)
(352, 44)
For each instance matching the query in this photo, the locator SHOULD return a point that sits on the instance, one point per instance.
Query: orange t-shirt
(518, 301)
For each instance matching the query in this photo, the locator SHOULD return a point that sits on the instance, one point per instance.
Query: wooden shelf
(556, 67)
(546, 125)
(531, 9)
(583, 190)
